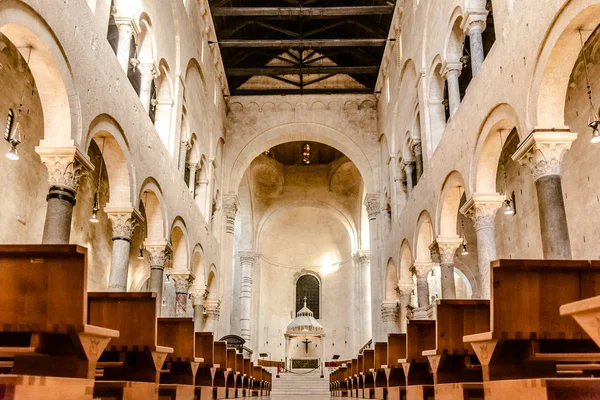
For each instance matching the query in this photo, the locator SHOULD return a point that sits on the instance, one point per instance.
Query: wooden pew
(354, 377)
(269, 382)
(247, 380)
(528, 338)
(131, 363)
(360, 377)
(379, 376)
(349, 378)
(48, 349)
(420, 335)
(342, 377)
(239, 374)
(220, 378)
(205, 375)
(396, 380)
(456, 374)
(178, 380)
(256, 381)
(231, 374)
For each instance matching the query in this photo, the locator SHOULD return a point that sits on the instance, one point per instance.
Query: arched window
(9, 124)
(308, 285)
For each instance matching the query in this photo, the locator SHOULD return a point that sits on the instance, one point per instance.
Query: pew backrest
(368, 360)
(204, 345)
(458, 318)
(360, 364)
(247, 368)
(420, 336)
(354, 366)
(177, 333)
(221, 355)
(231, 359)
(239, 363)
(396, 349)
(380, 354)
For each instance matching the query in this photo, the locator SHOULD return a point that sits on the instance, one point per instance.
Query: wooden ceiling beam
(301, 43)
(308, 12)
(276, 71)
(285, 92)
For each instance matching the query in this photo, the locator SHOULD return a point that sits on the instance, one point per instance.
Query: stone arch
(437, 111)
(179, 243)
(147, 51)
(447, 215)
(406, 262)
(155, 210)
(555, 60)
(492, 134)
(212, 283)
(310, 132)
(194, 65)
(164, 105)
(424, 236)
(198, 268)
(391, 281)
(455, 37)
(108, 134)
(50, 69)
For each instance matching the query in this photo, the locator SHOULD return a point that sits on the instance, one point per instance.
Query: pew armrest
(402, 361)
(12, 351)
(478, 337)
(565, 357)
(581, 306)
(198, 359)
(427, 353)
(163, 349)
(99, 331)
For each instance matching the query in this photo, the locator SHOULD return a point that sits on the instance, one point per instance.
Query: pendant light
(141, 249)
(96, 207)
(464, 251)
(594, 123)
(508, 202)
(14, 136)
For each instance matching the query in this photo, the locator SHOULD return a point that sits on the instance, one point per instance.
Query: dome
(304, 322)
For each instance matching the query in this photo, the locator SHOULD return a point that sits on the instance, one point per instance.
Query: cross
(306, 343)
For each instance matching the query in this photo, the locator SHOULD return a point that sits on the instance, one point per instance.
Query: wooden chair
(48, 349)
(178, 380)
(205, 375)
(456, 373)
(528, 338)
(220, 378)
(420, 335)
(379, 375)
(231, 374)
(131, 364)
(396, 380)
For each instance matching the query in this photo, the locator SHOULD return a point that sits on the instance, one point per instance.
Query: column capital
(66, 165)
(157, 253)
(447, 247)
(231, 206)
(422, 268)
(213, 309)
(474, 19)
(451, 68)
(481, 208)
(389, 311)
(192, 166)
(127, 24)
(434, 250)
(148, 70)
(183, 282)
(124, 221)
(248, 257)
(198, 296)
(417, 148)
(361, 258)
(543, 151)
(372, 204)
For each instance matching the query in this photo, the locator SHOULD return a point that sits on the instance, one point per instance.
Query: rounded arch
(496, 127)
(455, 37)
(391, 280)
(194, 66)
(179, 243)
(310, 132)
(147, 51)
(212, 283)
(451, 194)
(556, 59)
(51, 71)
(164, 105)
(155, 210)
(437, 111)
(197, 266)
(406, 262)
(423, 237)
(110, 139)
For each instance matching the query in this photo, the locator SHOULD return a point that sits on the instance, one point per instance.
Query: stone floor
(292, 397)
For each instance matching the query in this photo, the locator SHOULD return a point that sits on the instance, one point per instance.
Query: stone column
(213, 313)
(182, 282)
(389, 316)
(373, 210)
(192, 179)
(198, 298)
(421, 269)
(417, 149)
(247, 260)
(482, 210)
(148, 72)
(123, 222)
(184, 148)
(451, 72)
(409, 167)
(65, 167)
(126, 29)
(474, 25)
(542, 152)
(157, 256)
(447, 249)
(362, 264)
(405, 293)
(230, 210)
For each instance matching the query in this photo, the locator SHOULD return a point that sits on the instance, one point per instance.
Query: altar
(304, 341)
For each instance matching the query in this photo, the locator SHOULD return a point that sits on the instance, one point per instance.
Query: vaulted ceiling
(301, 46)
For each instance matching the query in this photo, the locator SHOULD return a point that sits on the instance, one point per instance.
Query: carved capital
(148, 71)
(543, 150)
(482, 210)
(231, 206)
(124, 221)
(198, 296)
(417, 148)
(389, 311)
(405, 291)
(213, 309)
(409, 167)
(126, 25)
(183, 282)
(434, 250)
(474, 20)
(447, 248)
(361, 258)
(451, 68)
(247, 258)
(372, 204)
(421, 269)
(157, 254)
(66, 166)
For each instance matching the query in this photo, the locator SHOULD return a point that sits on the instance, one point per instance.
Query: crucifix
(306, 343)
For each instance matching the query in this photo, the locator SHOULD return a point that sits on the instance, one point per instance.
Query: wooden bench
(528, 337)
(205, 375)
(456, 371)
(231, 373)
(47, 348)
(360, 377)
(247, 378)
(349, 378)
(178, 380)
(269, 382)
(342, 377)
(256, 381)
(396, 380)
(368, 373)
(379, 375)
(354, 378)
(239, 373)
(221, 372)
(420, 335)
(131, 363)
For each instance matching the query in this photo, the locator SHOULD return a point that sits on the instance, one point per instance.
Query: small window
(308, 285)
(9, 124)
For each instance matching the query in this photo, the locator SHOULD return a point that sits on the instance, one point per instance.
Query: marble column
(418, 151)
(184, 148)
(148, 72)
(422, 269)
(230, 210)
(213, 313)
(124, 222)
(474, 25)
(198, 298)
(405, 294)
(451, 72)
(157, 256)
(542, 151)
(65, 167)
(247, 261)
(182, 282)
(389, 316)
(126, 29)
(447, 247)
(362, 264)
(409, 167)
(192, 178)
(373, 205)
(482, 210)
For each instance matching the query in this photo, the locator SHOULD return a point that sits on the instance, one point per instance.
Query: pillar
(447, 247)
(157, 256)
(247, 261)
(182, 282)
(213, 313)
(198, 298)
(451, 72)
(421, 269)
(373, 205)
(474, 25)
(389, 316)
(148, 72)
(482, 210)
(126, 29)
(409, 167)
(192, 178)
(405, 293)
(65, 167)
(362, 264)
(418, 151)
(184, 148)
(542, 151)
(124, 222)
(230, 210)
